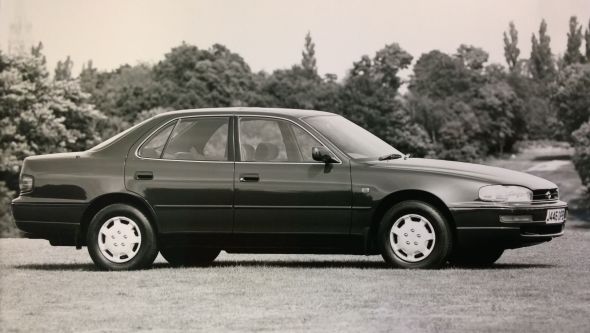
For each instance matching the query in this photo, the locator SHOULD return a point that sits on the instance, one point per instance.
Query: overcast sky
(269, 34)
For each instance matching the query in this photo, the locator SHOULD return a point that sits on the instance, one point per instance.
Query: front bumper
(492, 224)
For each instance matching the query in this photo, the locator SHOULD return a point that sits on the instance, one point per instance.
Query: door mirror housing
(322, 154)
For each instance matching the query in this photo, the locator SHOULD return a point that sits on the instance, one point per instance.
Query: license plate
(555, 215)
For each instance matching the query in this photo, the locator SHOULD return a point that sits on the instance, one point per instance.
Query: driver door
(281, 190)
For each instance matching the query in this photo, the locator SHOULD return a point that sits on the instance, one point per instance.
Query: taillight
(26, 183)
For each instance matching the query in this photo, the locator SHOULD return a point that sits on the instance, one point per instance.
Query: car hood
(493, 175)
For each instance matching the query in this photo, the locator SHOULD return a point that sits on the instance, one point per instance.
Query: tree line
(454, 106)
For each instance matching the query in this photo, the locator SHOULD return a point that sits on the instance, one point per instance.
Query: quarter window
(155, 145)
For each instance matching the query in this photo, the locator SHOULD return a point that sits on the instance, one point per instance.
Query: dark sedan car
(246, 180)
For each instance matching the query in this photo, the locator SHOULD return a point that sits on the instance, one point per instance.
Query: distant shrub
(7, 226)
(581, 139)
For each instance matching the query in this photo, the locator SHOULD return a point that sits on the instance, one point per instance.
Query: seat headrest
(266, 152)
(248, 152)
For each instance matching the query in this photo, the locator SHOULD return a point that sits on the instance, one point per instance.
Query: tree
(472, 57)
(191, 78)
(40, 116)
(299, 87)
(7, 226)
(587, 38)
(438, 75)
(571, 97)
(308, 60)
(511, 50)
(581, 158)
(574, 42)
(124, 92)
(498, 108)
(63, 70)
(541, 64)
(370, 98)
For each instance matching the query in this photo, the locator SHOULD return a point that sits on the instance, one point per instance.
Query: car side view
(189, 184)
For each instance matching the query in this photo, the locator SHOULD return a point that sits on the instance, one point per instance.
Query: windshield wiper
(393, 156)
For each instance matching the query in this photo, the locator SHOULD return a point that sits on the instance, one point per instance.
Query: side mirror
(322, 154)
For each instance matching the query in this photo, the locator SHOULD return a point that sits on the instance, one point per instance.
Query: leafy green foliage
(571, 97)
(511, 50)
(574, 42)
(468, 109)
(308, 60)
(7, 226)
(370, 98)
(40, 116)
(63, 70)
(122, 93)
(581, 140)
(541, 64)
(191, 78)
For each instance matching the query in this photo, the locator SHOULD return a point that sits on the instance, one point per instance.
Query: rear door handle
(144, 175)
(249, 177)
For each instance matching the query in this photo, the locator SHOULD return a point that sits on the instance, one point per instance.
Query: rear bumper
(57, 222)
(488, 224)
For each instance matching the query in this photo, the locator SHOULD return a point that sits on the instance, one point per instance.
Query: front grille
(544, 195)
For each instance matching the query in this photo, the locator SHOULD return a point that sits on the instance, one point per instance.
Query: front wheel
(120, 237)
(189, 256)
(414, 234)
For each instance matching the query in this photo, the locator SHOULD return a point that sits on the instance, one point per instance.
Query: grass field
(542, 288)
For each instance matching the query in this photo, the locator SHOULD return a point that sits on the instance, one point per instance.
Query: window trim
(238, 146)
(230, 141)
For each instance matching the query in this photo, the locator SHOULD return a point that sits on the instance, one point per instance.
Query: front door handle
(249, 177)
(144, 175)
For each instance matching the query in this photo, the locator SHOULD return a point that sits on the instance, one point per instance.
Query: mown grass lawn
(542, 288)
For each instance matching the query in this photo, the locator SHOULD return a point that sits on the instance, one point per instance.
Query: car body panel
(294, 207)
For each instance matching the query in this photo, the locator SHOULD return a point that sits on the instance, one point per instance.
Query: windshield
(116, 137)
(352, 139)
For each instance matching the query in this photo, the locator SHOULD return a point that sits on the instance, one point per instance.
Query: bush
(7, 226)
(581, 139)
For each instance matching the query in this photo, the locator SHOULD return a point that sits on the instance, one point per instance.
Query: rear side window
(155, 145)
(199, 139)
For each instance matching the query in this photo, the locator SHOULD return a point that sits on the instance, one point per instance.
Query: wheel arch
(104, 200)
(405, 195)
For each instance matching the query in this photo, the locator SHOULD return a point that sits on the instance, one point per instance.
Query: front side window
(274, 140)
(352, 139)
(199, 139)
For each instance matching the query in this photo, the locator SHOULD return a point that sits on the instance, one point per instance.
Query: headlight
(501, 193)
(26, 183)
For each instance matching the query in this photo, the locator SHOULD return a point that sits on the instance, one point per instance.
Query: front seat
(266, 152)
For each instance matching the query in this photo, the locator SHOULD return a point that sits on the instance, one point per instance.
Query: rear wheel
(120, 237)
(189, 256)
(414, 234)
(476, 257)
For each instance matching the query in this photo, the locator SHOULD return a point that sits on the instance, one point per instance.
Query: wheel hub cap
(119, 239)
(412, 237)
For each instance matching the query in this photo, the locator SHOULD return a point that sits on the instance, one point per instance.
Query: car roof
(289, 113)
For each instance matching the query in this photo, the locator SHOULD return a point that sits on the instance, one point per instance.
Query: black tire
(476, 257)
(146, 249)
(189, 256)
(441, 244)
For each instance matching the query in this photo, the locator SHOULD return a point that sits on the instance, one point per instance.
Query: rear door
(185, 170)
